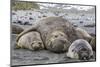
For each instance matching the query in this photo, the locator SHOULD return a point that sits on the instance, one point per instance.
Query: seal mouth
(84, 55)
(36, 46)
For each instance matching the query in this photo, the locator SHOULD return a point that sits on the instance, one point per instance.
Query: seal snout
(36, 45)
(63, 41)
(84, 56)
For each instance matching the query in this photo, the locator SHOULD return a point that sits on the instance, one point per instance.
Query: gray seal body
(80, 49)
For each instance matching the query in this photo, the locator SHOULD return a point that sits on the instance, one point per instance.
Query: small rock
(26, 23)
(31, 18)
(30, 13)
(81, 21)
(44, 16)
(13, 13)
(39, 17)
(19, 22)
(83, 15)
(75, 25)
(14, 22)
(90, 25)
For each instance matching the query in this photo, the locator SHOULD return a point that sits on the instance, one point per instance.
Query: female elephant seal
(56, 33)
(31, 41)
(80, 49)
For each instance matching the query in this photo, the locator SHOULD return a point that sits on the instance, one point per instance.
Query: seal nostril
(63, 41)
(39, 43)
(36, 47)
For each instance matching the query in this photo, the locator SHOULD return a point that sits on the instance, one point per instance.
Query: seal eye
(73, 50)
(56, 36)
(32, 42)
(39, 43)
(61, 34)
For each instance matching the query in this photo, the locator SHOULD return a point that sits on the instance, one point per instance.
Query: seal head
(37, 45)
(57, 42)
(80, 49)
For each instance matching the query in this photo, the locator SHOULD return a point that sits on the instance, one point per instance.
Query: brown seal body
(31, 40)
(56, 33)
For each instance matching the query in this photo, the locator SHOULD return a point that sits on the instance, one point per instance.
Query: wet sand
(27, 57)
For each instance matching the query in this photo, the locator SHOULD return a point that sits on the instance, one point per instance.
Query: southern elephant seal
(57, 33)
(80, 49)
(31, 40)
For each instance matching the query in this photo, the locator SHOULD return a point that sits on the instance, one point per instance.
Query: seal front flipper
(33, 28)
